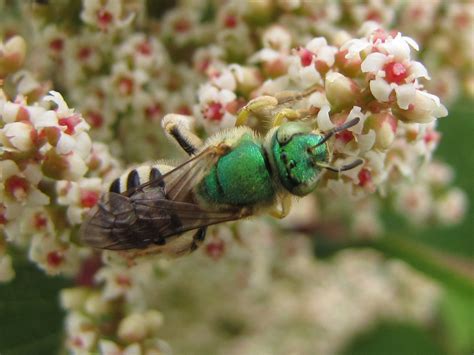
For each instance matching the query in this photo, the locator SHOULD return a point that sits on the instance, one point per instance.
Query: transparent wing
(154, 212)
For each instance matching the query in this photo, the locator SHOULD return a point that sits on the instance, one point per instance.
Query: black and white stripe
(139, 176)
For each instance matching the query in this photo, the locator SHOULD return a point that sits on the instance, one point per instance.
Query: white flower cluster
(126, 65)
(45, 152)
(270, 279)
(89, 313)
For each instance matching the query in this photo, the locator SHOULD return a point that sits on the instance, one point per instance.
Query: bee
(233, 175)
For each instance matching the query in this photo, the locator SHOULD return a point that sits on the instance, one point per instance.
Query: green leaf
(457, 312)
(31, 321)
(395, 339)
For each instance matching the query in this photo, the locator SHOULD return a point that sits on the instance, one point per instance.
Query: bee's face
(296, 153)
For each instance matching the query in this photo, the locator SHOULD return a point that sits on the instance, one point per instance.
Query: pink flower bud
(63, 166)
(19, 136)
(133, 328)
(275, 68)
(341, 91)
(385, 126)
(259, 11)
(12, 55)
(14, 112)
(349, 67)
(247, 79)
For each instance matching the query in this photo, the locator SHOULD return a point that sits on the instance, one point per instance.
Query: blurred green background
(31, 321)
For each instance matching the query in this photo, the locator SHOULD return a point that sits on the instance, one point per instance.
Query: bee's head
(297, 151)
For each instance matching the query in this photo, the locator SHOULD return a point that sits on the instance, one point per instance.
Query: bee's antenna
(341, 128)
(349, 166)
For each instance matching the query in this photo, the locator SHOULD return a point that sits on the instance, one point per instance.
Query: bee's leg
(179, 127)
(261, 106)
(285, 203)
(288, 113)
(284, 97)
(198, 239)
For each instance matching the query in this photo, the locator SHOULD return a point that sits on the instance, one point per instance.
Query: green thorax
(240, 178)
(296, 156)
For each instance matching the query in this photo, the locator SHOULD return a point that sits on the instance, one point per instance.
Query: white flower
(214, 105)
(415, 202)
(106, 15)
(17, 136)
(425, 108)
(19, 187)
(278, 38)
(79, 197)
(133, 328)
(54, 255)
(390, 73)
(451, 207)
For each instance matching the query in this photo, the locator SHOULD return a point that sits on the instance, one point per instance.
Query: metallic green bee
(233, 175)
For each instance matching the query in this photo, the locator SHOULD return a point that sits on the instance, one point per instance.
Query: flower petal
(380, 89)
(324, 122)
(373, 63)
(405, 95)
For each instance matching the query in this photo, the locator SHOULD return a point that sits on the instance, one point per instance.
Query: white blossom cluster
(123, 65)
(276, 289)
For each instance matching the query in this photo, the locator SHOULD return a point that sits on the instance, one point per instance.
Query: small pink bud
(18, 135)
(133, 328)
(12, 55)
(384, 125)
(248, 80)
(348, 67)
(54, 165)
(341, 91)
(259, 12)
(275, 68)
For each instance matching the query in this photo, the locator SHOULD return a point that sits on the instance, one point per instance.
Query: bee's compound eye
(288, 130)
(283, 137)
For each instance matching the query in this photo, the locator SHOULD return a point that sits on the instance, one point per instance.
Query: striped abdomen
(138, 176)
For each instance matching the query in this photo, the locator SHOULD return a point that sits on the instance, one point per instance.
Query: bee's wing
(156, 210)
